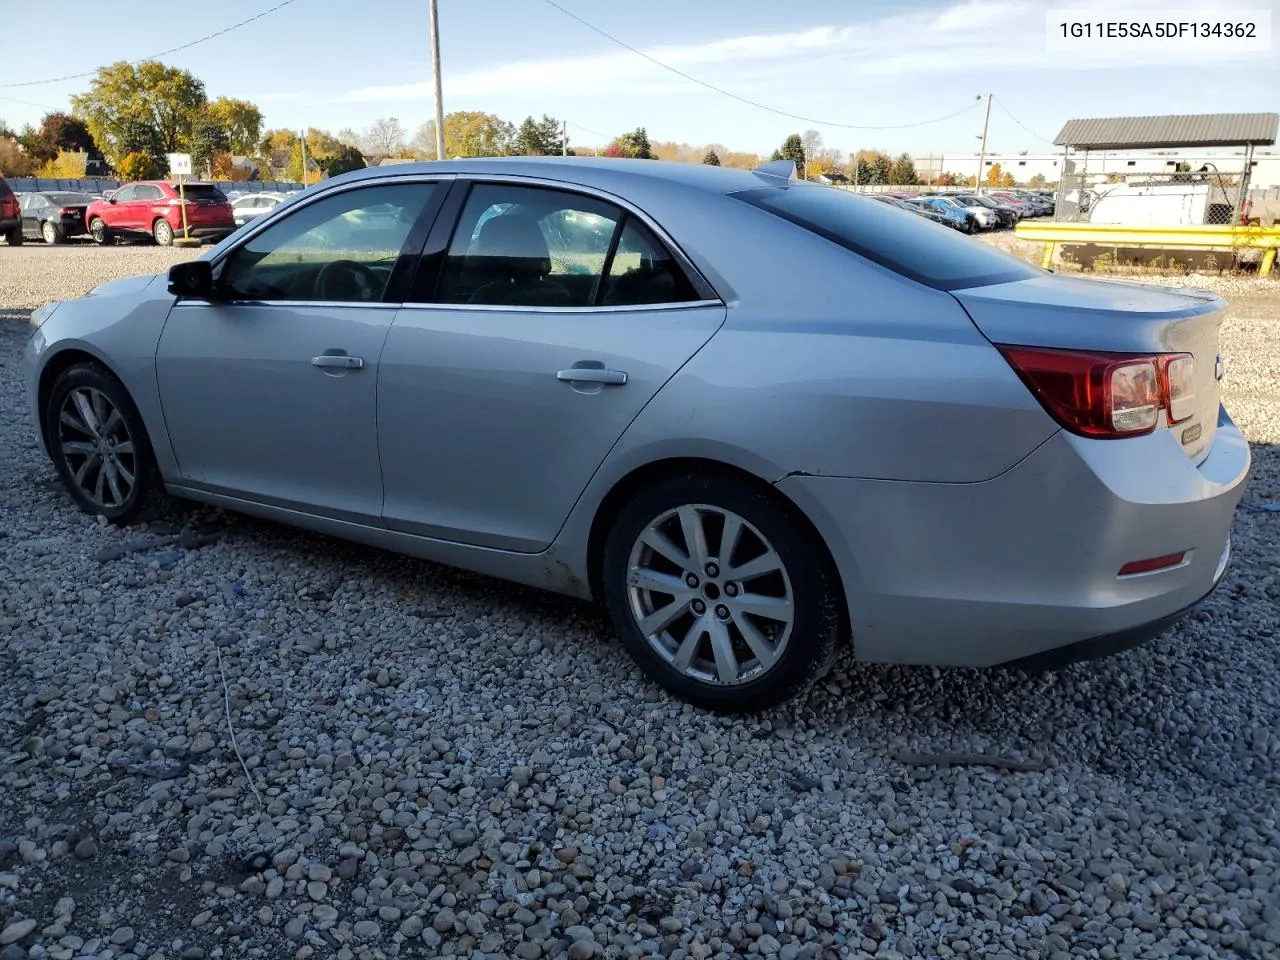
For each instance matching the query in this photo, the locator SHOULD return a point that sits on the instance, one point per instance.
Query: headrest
(517, 241)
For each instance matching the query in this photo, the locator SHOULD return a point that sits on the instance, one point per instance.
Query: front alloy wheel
(721, 591)
(99, 445)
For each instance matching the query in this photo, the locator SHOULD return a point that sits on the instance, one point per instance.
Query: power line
(30, 103)
(749, 102)
(1021, 124)
(588, 129)
(162, 53)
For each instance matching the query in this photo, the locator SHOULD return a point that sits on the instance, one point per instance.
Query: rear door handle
(339, 360)
(613, 378)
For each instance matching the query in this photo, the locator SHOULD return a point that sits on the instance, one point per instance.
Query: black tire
(163, 233)
(147, 491)
(98, 230)
(50, 232)
(817, 623)
(14, 236)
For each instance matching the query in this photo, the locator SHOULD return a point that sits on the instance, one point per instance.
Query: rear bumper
(983, 574)
(207, 230)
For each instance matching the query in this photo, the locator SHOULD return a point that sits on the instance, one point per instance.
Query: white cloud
(976, 34)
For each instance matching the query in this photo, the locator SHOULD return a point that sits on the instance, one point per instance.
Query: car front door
(122, 206)
(552, 317)
(269, 389)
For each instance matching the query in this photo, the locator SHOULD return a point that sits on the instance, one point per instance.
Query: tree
(385, 136)
(7, 132)
(13, 162)
(946, 180)
(538, 138)
(467, 133)
(635, 145)
(1008, 180)
(1037, 182)
(994, 173)
(67, 165)
(57, 132)
(242, 122)
(712, 159)
(346, 159)
(140, 166)
(811, 140)
(793, 149)
(350, 137)
(207, 137)
(881, 168)
(276, 150)
(145, 108)
(903, 171)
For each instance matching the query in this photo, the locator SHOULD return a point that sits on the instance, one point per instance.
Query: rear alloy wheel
(98, 230)
(720, 593)
(50, 232)
(163, 233)
(99, 445)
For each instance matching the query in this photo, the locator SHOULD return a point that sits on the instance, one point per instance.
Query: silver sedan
(758, 418)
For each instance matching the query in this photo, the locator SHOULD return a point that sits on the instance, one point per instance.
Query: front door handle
(593, 374)
(339, 361)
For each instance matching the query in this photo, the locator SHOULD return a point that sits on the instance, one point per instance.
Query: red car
(154, 208)
(10, 215)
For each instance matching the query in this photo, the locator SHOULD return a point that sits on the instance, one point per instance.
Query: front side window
(339, 248)
(910, 246)
(125, 194)
(539, 247)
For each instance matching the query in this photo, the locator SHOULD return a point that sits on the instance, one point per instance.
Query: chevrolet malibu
(759, 418)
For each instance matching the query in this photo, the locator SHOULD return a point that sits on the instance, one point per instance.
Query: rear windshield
(69, 197)
(204, 191)
(903, 242)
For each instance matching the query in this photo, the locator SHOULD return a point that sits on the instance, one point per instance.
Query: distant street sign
(180, 164)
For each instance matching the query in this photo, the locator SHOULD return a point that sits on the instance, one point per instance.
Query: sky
(899, 65)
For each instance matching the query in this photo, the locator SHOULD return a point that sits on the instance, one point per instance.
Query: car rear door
(544, 320)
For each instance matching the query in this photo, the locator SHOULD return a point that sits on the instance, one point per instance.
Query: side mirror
(192, 280)
(111, 199)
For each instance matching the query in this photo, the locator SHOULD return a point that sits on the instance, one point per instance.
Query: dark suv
(10, 215)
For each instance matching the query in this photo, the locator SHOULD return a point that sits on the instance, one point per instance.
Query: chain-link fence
(1170, 194)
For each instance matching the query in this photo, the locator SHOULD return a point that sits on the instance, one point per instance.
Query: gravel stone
(449, 766)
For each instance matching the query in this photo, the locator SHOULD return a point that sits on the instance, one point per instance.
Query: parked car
(1007, 214)
(1025, 207)
(54, 216)
(956, 216)
(986, 217)
(918, 209)
(153, 208)
(247, 206)
(10, 215)
(771, 417)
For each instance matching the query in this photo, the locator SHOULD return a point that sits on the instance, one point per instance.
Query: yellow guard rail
(1122, 235)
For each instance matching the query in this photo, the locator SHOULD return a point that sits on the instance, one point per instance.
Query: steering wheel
(347, 280)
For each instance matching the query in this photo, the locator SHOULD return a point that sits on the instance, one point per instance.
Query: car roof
(600, 172)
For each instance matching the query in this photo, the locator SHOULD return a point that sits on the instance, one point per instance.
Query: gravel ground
(443, 765)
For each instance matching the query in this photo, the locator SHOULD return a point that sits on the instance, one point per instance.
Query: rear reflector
(1106, 395)
(1154, 563)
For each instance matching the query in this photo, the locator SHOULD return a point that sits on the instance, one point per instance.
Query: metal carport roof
(1185, 130)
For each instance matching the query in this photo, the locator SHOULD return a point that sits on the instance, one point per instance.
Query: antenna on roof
(777, 169)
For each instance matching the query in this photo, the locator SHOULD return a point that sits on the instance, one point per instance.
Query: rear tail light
(1152, 564)
(1107, 395)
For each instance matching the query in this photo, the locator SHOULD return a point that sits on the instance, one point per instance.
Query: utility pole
(303, 141)
(564, 138)
(982, 151)
(435, 76)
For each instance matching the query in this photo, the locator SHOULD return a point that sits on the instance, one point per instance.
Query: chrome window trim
(294, 304)
(567, 311)
(700, 283)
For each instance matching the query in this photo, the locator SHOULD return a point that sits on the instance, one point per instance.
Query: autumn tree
(67, 165)
(140, 166)
(903, 171)
(635, 145)
(276, 150)
(994, 175)
(13, 162)
(712, 159)
(1008, 180)
(57, 132)
(240, 120)
(7, 132)
(148, 108)
(811, 141)
(1037, 182)
(467, 133)
(946, 180)
(385, 136)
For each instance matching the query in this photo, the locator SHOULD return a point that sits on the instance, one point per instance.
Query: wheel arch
(53, 368)
(648, 473)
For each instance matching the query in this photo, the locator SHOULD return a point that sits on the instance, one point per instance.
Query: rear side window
(204, 191)
(903, 242)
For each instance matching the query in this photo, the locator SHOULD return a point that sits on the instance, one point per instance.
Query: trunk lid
(1112, 315)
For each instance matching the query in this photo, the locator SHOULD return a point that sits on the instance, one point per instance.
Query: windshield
(909, 245)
